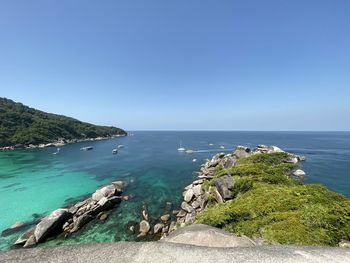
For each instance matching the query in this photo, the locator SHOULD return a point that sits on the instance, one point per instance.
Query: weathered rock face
(224, 185)
(51, 224)
(72, 219)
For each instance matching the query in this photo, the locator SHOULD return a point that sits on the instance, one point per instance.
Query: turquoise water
(35, 182)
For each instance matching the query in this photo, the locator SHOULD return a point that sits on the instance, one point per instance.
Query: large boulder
(215, 193)
(224, 185)
(51, 224)
(185, 206)
(197, 190)
(106, 191)
(188, 195)
(299, 173)
(230, 161)
(144, 227)
(242, 152)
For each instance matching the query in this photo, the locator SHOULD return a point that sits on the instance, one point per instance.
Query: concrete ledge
(171, 252)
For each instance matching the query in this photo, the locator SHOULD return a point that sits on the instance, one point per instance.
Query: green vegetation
(270, 204)
(20, 124)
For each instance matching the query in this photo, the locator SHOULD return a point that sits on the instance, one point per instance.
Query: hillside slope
(20, 124)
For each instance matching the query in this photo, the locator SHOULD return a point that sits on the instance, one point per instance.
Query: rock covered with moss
(259, 193)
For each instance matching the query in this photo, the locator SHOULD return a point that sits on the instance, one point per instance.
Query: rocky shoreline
(69, 220)
(59, 143)
(196, 197)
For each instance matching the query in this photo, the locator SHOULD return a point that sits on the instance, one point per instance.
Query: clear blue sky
(218, 65)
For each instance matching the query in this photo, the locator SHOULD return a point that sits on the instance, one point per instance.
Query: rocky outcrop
(196, 197)
(71, 219)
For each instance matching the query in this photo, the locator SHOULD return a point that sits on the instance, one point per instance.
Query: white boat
(189, 151)
(211, 144)
(114, 151)
(87, 148)
(194, 160)
(222, 147)
(57, 151)
(181, 149)
(120, 146)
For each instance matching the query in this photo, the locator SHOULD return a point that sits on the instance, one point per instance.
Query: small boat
(194, 160)
(181, 149)
(222, 147)
(115, 151)
(57, 151)
(87, 148)
(211, 144)
(189, 151)
(120, 146)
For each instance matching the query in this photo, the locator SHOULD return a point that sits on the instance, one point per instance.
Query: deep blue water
(37, 182)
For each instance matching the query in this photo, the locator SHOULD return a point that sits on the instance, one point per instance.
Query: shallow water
(35, 182)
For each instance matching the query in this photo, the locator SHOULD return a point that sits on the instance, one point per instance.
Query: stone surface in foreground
(207, 236)
(170, 252)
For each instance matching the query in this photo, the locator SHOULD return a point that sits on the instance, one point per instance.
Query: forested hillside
(20, 124)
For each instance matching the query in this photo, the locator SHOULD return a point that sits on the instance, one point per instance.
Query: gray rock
(157, 228)
(216, 195)
(224, 185)
(31, 242)
(23, 239)
(195, 204)
(242, 152)
(165, 218)
(344, 243)
(202, 235)
(230, 162)
(185, 206)
(81, 221)
(119, 186)
(73, 209)
(106, 191)
(182, 213)
(299, 173)
(175, 212)
(188, 195)
(144, 227)
(51, 224)
(200, 181)
(197, 190)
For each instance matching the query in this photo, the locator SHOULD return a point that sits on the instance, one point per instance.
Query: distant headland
(25, 127)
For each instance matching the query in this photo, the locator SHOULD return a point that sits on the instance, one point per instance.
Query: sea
(34, 182)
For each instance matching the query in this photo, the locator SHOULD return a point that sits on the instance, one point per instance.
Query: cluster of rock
(69, 220)
(195, 197)
(163, 225)
(60, 142)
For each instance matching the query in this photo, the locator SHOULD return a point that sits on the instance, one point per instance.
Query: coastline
(59, 143)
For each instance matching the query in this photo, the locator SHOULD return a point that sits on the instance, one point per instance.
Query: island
(25, 127)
